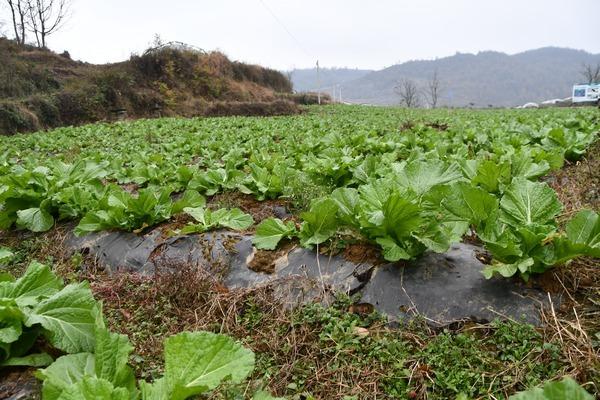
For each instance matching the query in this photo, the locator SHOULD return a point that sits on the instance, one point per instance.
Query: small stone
(250, 256)
(359, 331)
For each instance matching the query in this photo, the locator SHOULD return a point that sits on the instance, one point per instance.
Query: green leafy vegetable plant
(207, 219)
(195, 363)
(478, 175)
(271, 231)
(564, 389)
(6, 255)
(121, 210)
(523, 236)
(37, 304)
(96, 366)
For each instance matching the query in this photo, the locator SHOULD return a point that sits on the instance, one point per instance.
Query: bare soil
(363, 253)
(259, 210)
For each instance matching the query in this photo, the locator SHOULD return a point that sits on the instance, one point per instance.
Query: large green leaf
(20, 347)
(37, 281)
(420, 176)
(584, 229)
(31, 360)
(93, 221)
(572, 142)
(92, 388)
(271, 231)
(207, 219)
(196, 362)
(234, 219)
(209, 181)
(68, 318)
(508, 270)
(347, 200)
(111, 356)
(566, 389)
(35, 219)
(65, 372)
(372, 198)
(522, 166)
(320, 223)
(75, 201)
(11, 321)
(157, 390)
(400, 217)
(365, 170)
(582, 238)
(199, 214)
(564, 250)
(527, 203)
(500, 240)
(438, 236)
(470, 204)
(532, 239)
(108, 363)
(190, 198)
(491, 175)
(391, 250)
(6, 255)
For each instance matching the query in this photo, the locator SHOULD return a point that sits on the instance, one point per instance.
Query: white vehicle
(586, 93)
(553, 101)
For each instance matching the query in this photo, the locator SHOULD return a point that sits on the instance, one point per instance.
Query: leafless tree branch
(591, 73)
(46, 17)
(434, 89)
(408, 92)
(18, 11)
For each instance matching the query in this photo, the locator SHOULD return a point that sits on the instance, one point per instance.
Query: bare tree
(591, 73)
(434, 89)
(408, 92)
(18, 12)
(45, 17)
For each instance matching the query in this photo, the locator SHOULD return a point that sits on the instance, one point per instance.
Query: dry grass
(330, 352)
(578, 184)
(577, 324)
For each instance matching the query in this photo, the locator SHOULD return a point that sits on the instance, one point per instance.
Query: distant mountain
(485, 78)
(305, 80)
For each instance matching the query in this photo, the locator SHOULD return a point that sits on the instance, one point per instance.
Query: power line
(286, 29)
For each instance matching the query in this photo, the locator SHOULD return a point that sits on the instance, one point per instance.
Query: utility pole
(340, 87)
(318, 84)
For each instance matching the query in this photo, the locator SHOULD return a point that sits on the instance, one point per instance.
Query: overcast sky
(285, 34)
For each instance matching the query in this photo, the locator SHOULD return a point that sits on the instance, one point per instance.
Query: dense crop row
(409, 181)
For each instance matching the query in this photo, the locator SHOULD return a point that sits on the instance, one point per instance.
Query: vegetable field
(409, 181)
(404, 182)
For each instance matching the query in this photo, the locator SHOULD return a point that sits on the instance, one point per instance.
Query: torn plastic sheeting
(443, 288)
